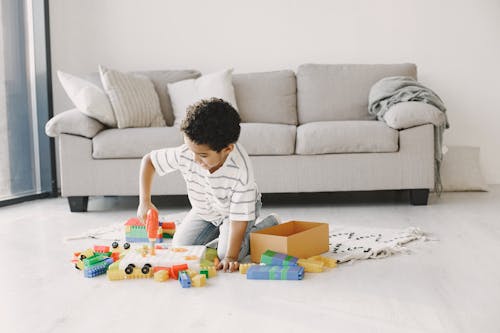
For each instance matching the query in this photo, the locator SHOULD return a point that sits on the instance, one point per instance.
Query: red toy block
(168, 225)
(160, 268)
(101, 248)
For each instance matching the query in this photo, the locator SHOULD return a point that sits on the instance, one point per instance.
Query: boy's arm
(145, 180)
(236, 233)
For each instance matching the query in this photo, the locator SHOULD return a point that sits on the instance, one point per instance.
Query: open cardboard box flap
(296, 238)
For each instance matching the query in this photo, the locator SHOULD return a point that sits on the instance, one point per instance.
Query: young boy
(220, 182)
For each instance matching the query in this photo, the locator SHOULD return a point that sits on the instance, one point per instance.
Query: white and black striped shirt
(230, 191)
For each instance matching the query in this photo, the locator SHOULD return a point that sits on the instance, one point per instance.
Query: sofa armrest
(73, 122)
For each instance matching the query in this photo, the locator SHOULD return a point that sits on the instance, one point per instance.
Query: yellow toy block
(87, 253)
(191, 273)
(244, 267)
(212, 271)
(199, 280)
(327, 262)
(161, 276)
(115, 275)
(311, 266)
(118, 274)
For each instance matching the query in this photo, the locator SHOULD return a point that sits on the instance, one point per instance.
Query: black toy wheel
(129, 269)
(82, 257)
(76, 266)
(145, 269)
(114, 245)
(126, 246)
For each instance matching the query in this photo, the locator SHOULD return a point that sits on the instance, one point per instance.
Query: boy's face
(206, 157)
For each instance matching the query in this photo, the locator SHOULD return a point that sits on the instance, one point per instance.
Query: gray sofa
(308, 131)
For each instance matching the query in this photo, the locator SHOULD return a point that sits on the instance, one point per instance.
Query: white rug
(357, 243)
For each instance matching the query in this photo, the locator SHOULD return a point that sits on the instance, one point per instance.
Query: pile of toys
(188, 264)
(191, 265)
(279, 266)
(95, 261)
(135, 231)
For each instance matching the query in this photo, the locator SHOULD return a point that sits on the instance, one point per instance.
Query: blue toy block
(278, 259)
(260, 272)
(184, 279)
(97, 269)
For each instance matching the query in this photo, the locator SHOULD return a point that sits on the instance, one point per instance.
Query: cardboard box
(296, 238)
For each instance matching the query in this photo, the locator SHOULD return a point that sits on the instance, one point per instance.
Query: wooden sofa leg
(78, 204)
(418, 197)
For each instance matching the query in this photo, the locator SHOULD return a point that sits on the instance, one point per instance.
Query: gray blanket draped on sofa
(396, 89)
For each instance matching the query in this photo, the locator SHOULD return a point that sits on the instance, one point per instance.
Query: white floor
(450, 285)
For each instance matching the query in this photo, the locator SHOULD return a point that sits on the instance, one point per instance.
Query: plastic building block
(96, 258)
(277, 259)
(160, 268)
(153, 228)
(191, 273)
(161, 276)
(328, 262)
(244, 267)
(86, 254)
(311, 266)
(184, 279)
(204, 272)
(136, 232)
(168, 229)
(98, 269)
(261, 272)
(211, 270)
(199, 280)
(118, 274)
(101, 248)
(211, 254)
(175, 269)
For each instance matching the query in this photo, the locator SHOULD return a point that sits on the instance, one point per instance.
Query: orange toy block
(174, 270)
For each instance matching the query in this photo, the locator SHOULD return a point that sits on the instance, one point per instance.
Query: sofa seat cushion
(134, 142)
(258, 139)
(268, 139)
(269, 97)
(329, 137)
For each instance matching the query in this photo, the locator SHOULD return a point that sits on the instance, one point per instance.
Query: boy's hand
(228, 265)
(142, 211)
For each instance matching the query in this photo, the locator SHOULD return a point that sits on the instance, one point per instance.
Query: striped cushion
(134, 99)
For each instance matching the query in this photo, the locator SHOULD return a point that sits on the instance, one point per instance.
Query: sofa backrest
(160, 80)
(340, 92)
(269, 97)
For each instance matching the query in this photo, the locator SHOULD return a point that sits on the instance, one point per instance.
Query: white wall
(455, 43)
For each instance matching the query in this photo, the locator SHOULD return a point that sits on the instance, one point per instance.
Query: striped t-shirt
(230, 191)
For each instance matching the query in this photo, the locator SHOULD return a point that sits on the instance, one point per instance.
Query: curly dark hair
(213, 122)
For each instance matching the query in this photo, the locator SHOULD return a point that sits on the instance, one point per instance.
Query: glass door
(26, 153)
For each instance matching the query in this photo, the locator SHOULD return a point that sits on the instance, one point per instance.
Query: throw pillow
(461, 170)
(133, 97)
(187, 92)
(409, 114)
(88, 98)
(73, 122)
